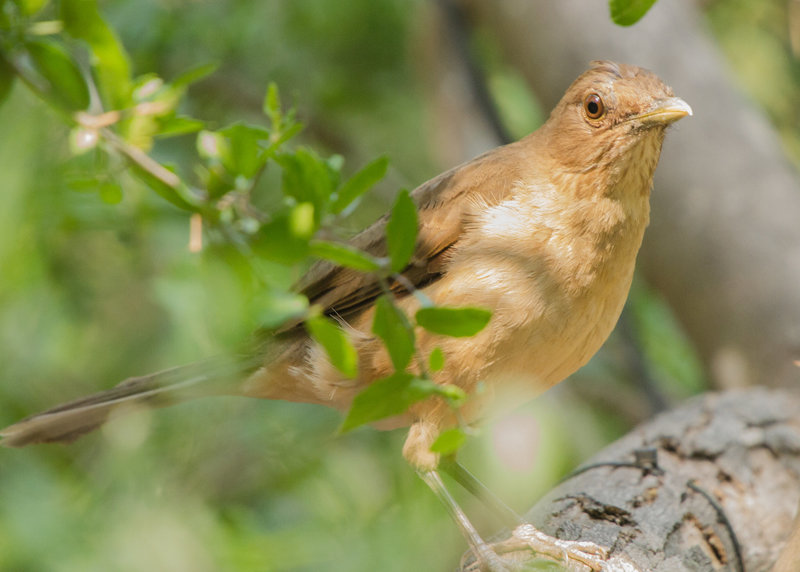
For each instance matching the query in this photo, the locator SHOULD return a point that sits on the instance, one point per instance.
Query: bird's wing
(444, 205)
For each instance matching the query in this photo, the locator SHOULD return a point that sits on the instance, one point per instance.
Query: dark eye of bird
(593, 106)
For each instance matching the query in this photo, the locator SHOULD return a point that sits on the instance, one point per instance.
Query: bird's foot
(513, 554)
(592, 555)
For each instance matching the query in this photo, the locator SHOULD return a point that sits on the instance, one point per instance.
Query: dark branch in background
(634, 360)
(460, 30)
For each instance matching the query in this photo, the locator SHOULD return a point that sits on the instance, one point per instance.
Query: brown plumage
(544, 232)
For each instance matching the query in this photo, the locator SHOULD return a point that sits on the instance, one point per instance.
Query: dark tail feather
(69, 421)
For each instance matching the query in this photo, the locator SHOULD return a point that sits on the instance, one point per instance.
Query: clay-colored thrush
(543, 232)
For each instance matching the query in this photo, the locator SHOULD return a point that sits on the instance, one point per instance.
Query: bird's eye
(593, 106)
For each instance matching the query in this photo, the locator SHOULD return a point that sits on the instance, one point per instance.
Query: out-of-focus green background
(91, 293)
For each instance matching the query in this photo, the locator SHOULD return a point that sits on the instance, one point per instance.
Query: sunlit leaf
(401, 231)
(420, 388)
(337, 345)
(66, 85)
(436, 360)
(110, 192)
(391, 325)
(272, 104)
(301, 220)
(449, 441)
(283, 124)
(454, 395)
(628, 12)
(359, 184)
(344, 255)
(30, 7)
(454, 322)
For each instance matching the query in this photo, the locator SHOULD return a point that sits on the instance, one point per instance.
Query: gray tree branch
(728, 467)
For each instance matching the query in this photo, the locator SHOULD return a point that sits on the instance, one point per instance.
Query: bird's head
(613, 117)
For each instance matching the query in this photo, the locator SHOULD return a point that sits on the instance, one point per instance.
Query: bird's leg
(488, 558)
(524, 536)
(480, 491)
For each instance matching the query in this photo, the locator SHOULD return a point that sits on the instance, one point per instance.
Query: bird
(543, 232)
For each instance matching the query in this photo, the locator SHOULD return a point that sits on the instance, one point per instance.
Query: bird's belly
(543, 353)
(540, 331)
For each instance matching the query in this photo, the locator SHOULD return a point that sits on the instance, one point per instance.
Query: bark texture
(728, 466)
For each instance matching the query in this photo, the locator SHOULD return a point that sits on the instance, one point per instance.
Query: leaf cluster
(66, 54)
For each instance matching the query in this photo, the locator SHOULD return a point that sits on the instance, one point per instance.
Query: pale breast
(555, 270)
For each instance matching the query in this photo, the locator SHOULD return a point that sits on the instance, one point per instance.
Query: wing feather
(445, 204)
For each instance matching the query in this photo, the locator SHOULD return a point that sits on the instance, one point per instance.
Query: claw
(592, 555)
(509, 555)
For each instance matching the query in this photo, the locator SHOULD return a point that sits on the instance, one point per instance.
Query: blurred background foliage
(99, 286)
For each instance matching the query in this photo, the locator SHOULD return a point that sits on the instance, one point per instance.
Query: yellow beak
(666, 111)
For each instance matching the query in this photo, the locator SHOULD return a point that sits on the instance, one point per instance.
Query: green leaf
(454, 395)
(82, 184)
(215, 180)
(401, 231)
(383, 398)
(29, 7)
(163, 189)
(337, 345)
(109, 60)
(344, 255)
(392, 326)
(65, 84)
(454, 322)
(420, 388)
(450, 441)
(274, 307)
(272, 104)
(391, 396)
(301, 221)
(359, 184)
(307, 178)
(278, 240)
(283, 126)
(179, 125)
(193, 75)
(243, 153)
(628, 12)
(110, 192)
(436, 359)
(284, 135)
